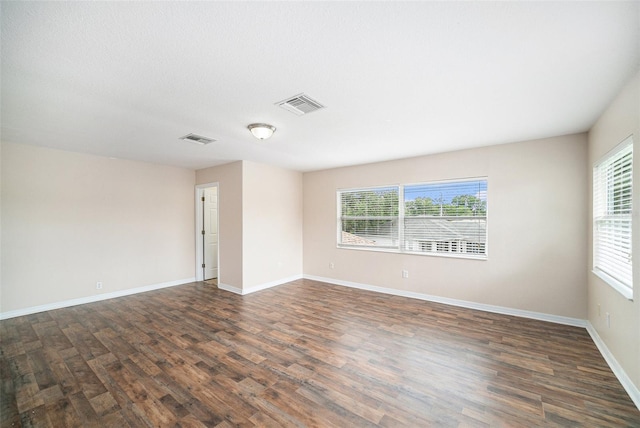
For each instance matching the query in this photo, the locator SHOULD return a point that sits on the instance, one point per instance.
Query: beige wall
(260, 209)
(272, 224)
(70, 220)
(229, 179)
(537, 202)
(619, 121)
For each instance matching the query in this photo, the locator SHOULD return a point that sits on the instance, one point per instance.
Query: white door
(210, 236)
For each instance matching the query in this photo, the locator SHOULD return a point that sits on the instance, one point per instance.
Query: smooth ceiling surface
(127, 79)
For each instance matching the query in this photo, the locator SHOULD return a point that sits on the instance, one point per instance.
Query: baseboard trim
(627, 384)
(575, 322)
(260, 287)
(92, 299)
(270, 284)
(229, 288)
(616, 368)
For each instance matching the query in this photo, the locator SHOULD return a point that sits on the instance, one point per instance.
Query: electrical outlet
(608, 320)
(598, 309)
(98, 286)
(405, 274)
(332, 265)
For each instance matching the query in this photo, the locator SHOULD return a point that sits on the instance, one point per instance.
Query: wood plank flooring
(301, 354)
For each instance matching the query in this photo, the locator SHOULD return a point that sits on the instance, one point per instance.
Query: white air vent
(300, 104)
(198, 139)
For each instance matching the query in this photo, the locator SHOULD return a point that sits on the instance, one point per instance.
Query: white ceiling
(127, 79)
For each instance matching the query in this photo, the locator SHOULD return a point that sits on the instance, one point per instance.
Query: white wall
(229, 179)
(260, 225)
(70, 220)
(272, 224)
(537, 222)
(620, 120)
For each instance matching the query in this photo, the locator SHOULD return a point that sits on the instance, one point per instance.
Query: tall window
(612, 209)
(442, 218)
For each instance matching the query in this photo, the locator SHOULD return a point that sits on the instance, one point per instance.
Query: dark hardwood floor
(301, 354)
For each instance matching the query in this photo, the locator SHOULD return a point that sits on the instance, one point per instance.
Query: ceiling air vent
(198, 139)
(300, 104)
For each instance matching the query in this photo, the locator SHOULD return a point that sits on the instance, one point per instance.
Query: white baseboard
(91, 299)
(616, 368)
(270, 284)
(576, 322)
(229, 288)
(259, 287)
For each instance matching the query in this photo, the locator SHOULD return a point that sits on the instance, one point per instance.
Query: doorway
(207, 240)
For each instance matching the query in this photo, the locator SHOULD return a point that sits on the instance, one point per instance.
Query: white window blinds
(439, 218)
(448, 217)
(612, 209)
(369, 217)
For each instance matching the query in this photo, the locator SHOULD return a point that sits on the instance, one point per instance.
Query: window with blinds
(369, 217)
(440, 218)
(446, 218)
(612, 209)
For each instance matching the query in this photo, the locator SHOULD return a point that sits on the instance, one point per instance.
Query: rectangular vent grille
(300, 104)
(198, 139)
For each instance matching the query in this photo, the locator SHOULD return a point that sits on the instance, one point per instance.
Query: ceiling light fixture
(261, 131)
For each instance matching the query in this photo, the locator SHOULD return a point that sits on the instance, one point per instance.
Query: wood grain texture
(301, 354)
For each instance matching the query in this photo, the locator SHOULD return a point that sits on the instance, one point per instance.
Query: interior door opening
(207, 243)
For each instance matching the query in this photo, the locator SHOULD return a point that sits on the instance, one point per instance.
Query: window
(453, 214)
(369, 217)
(443, 218)
(612, 209)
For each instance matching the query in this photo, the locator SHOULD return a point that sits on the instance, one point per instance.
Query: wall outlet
(598, 309)
(608, 320)
(332, 265)
(405, 274)
(98, 286)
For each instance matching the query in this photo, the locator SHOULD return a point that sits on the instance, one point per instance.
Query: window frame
(401, 219)
(602, 195)
(339, 222)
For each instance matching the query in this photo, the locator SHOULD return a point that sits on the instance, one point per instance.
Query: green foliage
(384, 203)
(369, 203)
(461, 205)
(421, 206)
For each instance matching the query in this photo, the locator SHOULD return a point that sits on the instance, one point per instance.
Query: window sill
(415, 253)
(626, 292)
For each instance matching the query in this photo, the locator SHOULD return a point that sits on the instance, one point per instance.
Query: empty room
(319, 214)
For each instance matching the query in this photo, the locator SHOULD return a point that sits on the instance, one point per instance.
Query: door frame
(200, 188)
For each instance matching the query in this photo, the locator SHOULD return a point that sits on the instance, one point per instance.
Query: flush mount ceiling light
(261, 131)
